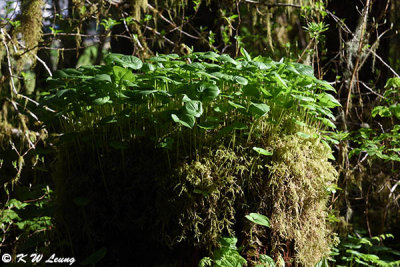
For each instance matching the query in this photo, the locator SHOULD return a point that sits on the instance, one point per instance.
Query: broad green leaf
(328, 100)
(303, 98)
(261, 65)
(235, 105)
(279, 80)
(102, 78)
(208, 91)
(207, 55)
(147, 67)
(184, 119)
(395, 110)
(195, 66)
(223, 76)
(239, 126)
(158, 59)
(207, 125)
(263, 151)
(193, 108)
(245, 54)
(121, 74)
(64, 91)
(60, 74)
(228, 242)
(227, 59)
(101, 100)
(131, 62)
(259, 109)
(304, 69)
(327, 122)
(258, 219)
(234, 126)
(241, 80)
(325, 85)
(8, 216)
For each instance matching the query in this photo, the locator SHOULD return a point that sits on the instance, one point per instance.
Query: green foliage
(356, 250)
(258, 219)
(28, 215)
(384, 146)
(234, 131)
(316, 29)
(226, 256)
(382, 143)
(188, 92)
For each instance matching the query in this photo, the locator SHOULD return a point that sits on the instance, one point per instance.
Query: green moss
(137, 7)
(209, 190)
(31, 22)
(299, 174)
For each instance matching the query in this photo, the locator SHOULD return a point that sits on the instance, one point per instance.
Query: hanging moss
(137, 7)
(290, 188)
(208, 189)
(299, 175)
(31, 22)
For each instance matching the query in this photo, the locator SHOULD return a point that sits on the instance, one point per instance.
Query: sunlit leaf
(259, 109)
(184, 119)
(258, 219)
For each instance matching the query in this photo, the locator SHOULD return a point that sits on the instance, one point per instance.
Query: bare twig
(370, 89)
(360, 47)
(14, 90)
(272, 5)
(179, 28)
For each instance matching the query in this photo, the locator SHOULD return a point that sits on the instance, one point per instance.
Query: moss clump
(31, 22)
(207, 191)
(137, 6)
(213, 194)
(299, 175)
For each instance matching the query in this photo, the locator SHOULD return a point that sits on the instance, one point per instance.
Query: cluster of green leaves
(28, 214)
(385, 146)
(356, 250)
(392, 98)
(206, 90)
(228, 253)
(382, 144)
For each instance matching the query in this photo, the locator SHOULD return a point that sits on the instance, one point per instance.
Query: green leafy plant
(222, 124)
(356, 250)
(226, 255)
(382, 143)
(27, 215)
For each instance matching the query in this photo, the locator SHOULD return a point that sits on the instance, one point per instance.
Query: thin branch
(360, 46)
(272, 5)
(344, 27)
(14, 90)
(370, 89)
(179, 28)
(384, 63)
